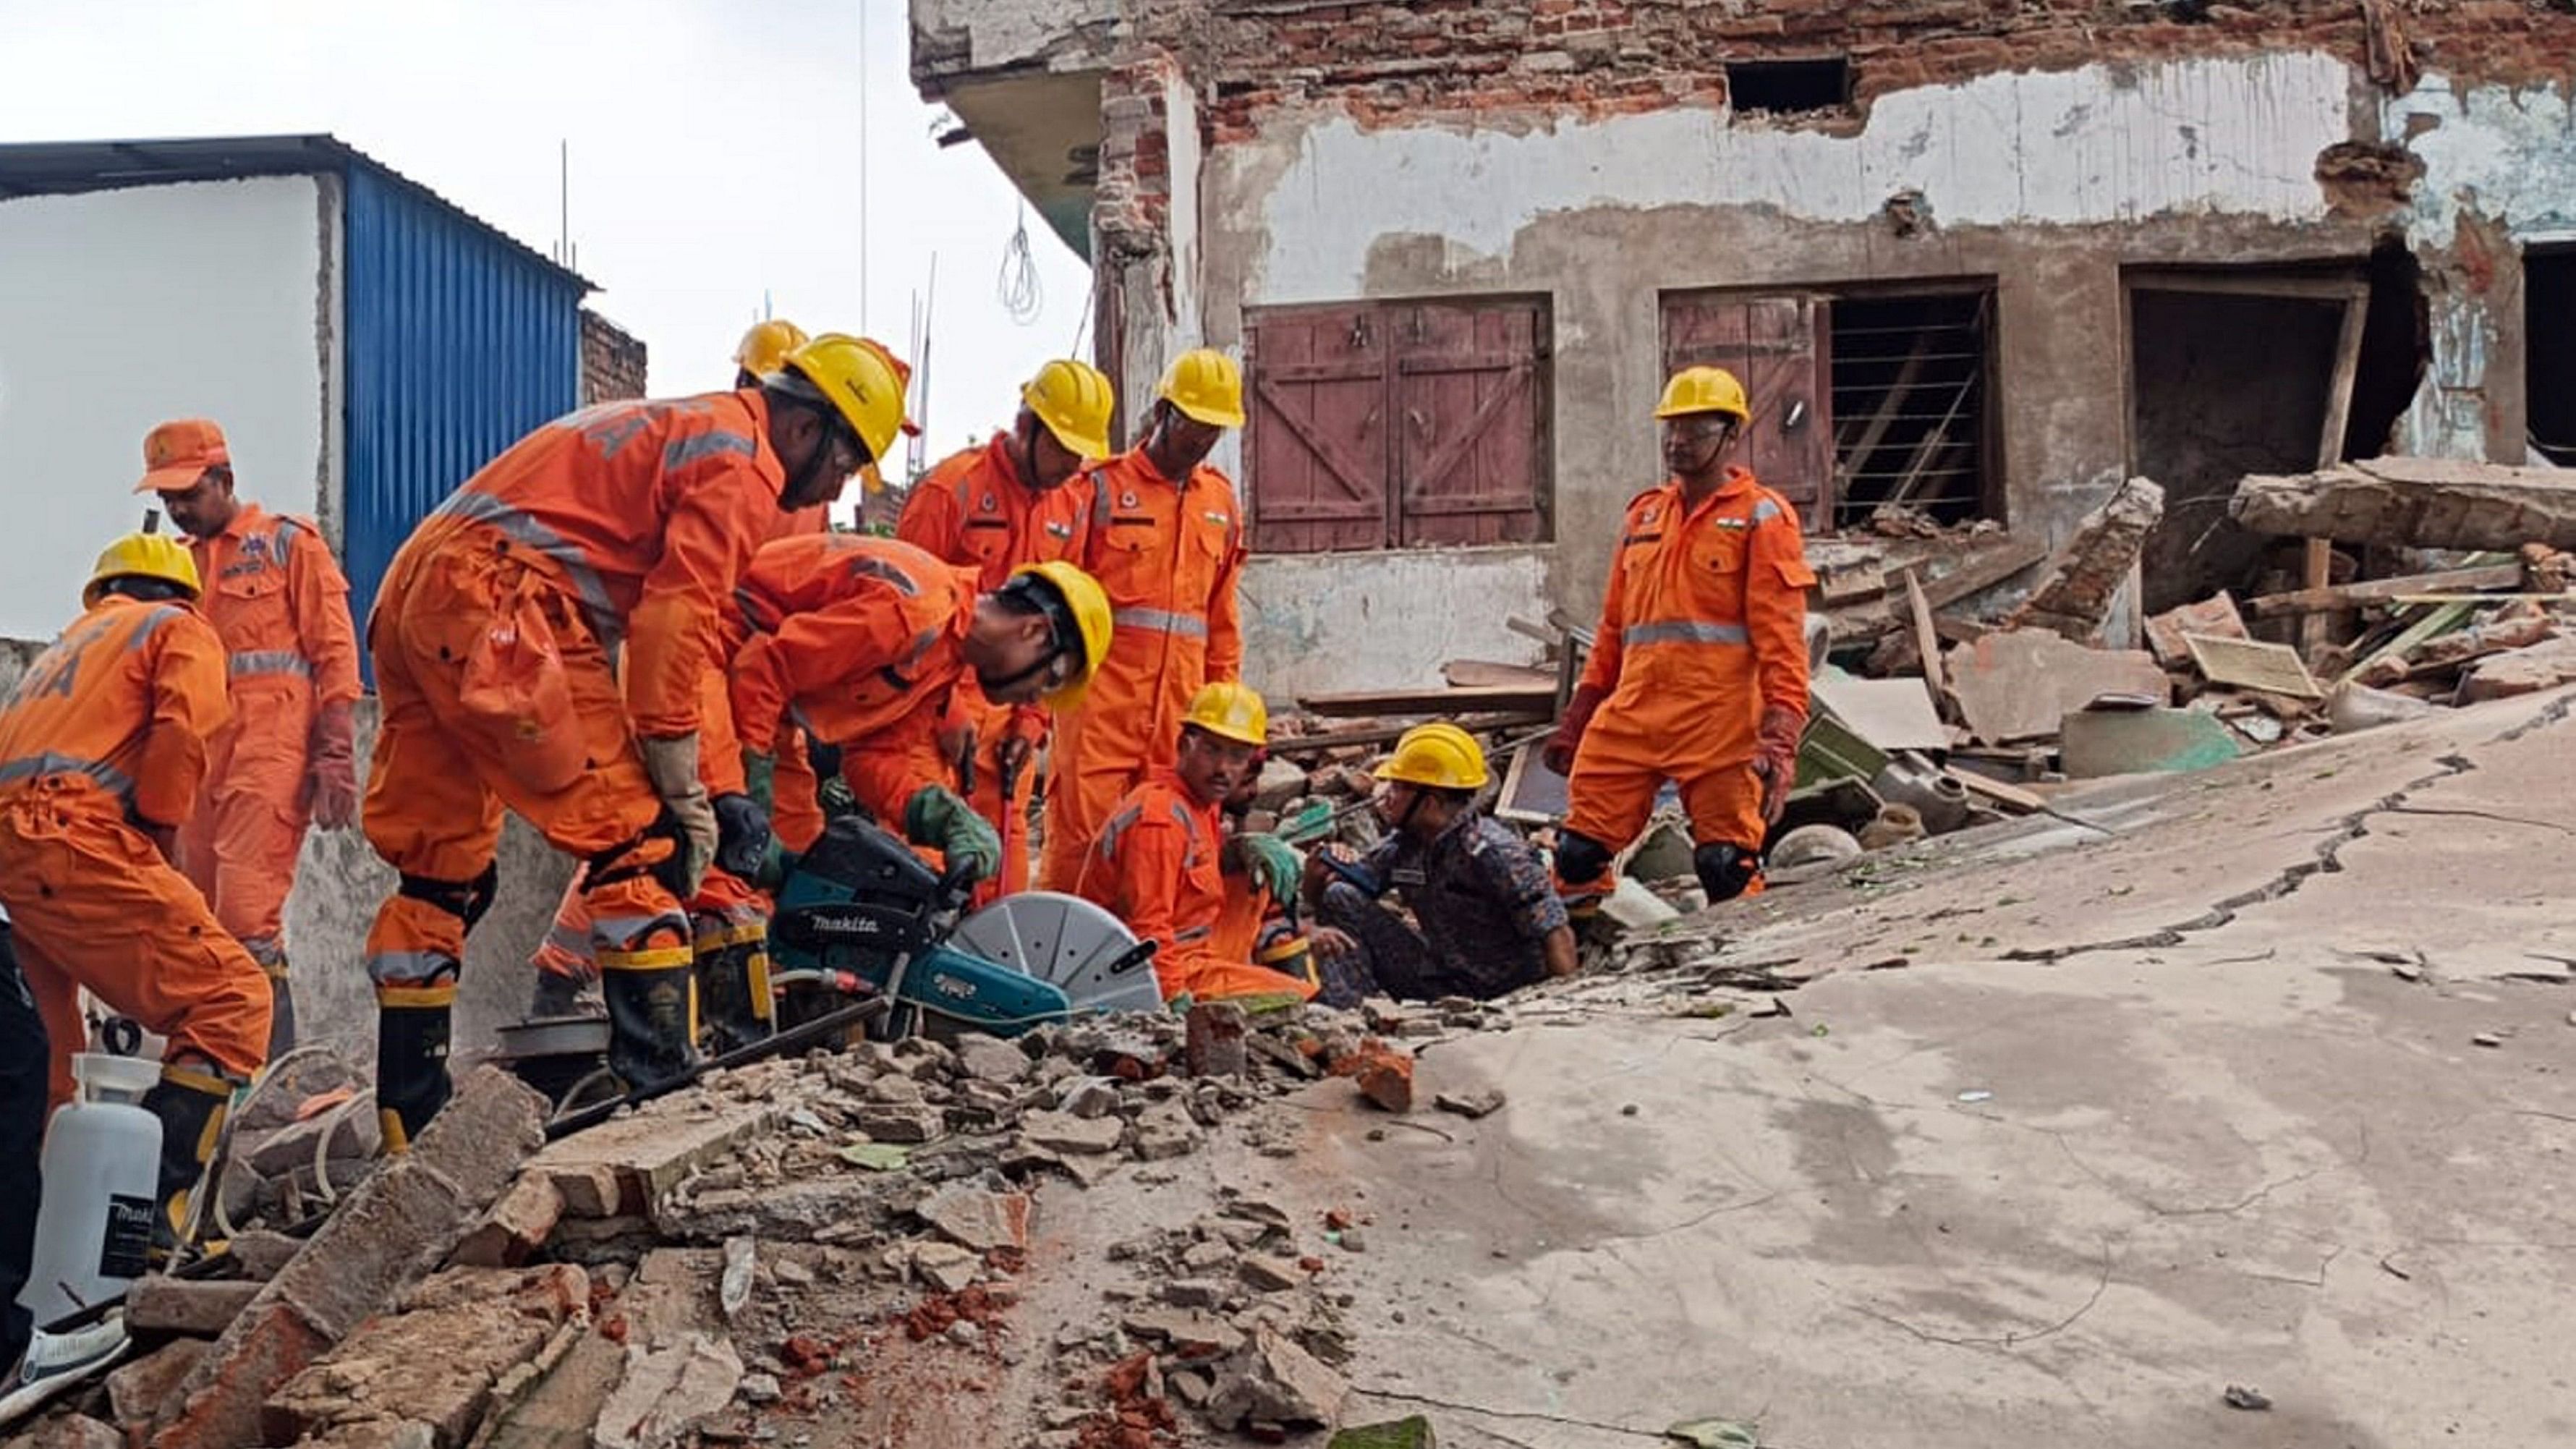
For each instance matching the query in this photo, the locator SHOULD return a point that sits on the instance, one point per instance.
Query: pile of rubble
(769, 1251)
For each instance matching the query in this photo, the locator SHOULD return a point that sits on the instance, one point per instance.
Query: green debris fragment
(877, 1156)
(1413, 1433)
(1715, 1434)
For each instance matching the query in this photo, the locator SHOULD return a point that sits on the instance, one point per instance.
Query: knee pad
(1724, 870)
(635, 857)
(466, 900)
(1580, 859)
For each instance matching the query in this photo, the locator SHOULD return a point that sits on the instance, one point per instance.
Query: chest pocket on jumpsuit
(1717, 563)
(254, 607)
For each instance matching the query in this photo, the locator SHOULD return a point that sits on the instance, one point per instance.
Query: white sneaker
(56, 1362)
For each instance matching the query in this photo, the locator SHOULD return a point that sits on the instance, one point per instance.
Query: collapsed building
(1984, 262)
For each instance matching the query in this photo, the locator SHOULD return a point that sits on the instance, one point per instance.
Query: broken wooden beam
(2384, 591)
(2414, 502)
(1493, 699)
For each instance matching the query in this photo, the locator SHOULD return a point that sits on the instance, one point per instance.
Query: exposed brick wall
(1398, 60)
(1134, 198)
(612, 363)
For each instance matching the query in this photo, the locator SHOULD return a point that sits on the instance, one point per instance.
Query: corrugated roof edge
(51, 168)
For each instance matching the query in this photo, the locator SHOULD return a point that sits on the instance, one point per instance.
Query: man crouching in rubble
(1491, 920)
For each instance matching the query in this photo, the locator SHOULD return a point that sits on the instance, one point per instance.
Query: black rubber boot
(191, 1106)
(734, 994)
(281, 1019)
(556, 995)
(652, 1024)
(411, 1070)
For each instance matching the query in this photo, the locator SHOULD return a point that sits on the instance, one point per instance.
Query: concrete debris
(2527, 670)
(436, 1362)
(982, 1221)
(2082, 579)
(1064, 1132)
(1273, 1381)
(1812, 845)
(988, 1059)
(2357, 706)
(142, 1393)
(2018, 684)
(2415, 502)
(69, 1431)
(2214, 617)
(398, 1227)
(1484, 1102)
(667, 1391)
(161, 1304)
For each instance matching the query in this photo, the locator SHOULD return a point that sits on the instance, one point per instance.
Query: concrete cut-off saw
(861, 914)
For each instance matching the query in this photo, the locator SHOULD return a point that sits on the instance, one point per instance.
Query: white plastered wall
(120, 309)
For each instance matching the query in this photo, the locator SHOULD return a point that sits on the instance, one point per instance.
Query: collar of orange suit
(1145, 463)
(1739, 480)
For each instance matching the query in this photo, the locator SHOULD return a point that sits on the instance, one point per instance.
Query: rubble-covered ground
(2046, 1133)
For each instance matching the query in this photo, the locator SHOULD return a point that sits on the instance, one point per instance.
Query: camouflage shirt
(1482, 896)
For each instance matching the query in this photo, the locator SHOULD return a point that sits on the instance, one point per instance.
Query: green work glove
(760, 779)
(1272, 864)
(938, 817)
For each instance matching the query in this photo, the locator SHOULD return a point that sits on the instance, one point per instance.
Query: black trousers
(22, 1135)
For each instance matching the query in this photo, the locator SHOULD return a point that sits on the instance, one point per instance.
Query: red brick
(516, 1226)
(1383, 1074)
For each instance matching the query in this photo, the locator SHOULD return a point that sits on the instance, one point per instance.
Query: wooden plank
(1487, 673)
(2380, 591)
(2011, 797)
(2252, 664)
(1984, 570)
(2316, 289)
(2317, 555)
(1494, 699)
(1502, 724)
(1927, 644)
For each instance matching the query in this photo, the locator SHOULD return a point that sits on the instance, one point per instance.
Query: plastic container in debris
(101, 1165)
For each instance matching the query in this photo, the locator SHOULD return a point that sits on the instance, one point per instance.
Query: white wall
(121, 309)
(1326, 623)
(2238, 135)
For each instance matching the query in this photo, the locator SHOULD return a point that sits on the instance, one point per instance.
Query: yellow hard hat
(1086, 606)
(1704, 390)
(1074, 400)
(862, 380)
(1230, 711)
(1441, 756)
(766, 346)
(145, 556)
(1205, 384)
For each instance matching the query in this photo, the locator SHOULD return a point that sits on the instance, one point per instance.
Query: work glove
(1270, 863)
(1559, 754)
(760, 781)
(331, 767)
(1775, 757)
(940, 818)
(672, 766)
(744, 842)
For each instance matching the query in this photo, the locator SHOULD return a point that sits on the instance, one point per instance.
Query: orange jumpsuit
(1156, 867)
(1169, 556)
(859, 641)
(281, 604)
(620, 526)
(1703, 624)
(108, 732)
(973, 510)
(727, 910)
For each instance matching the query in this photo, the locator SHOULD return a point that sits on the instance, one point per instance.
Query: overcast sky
(715, 145)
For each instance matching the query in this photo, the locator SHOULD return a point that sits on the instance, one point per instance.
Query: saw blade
(1065, 940)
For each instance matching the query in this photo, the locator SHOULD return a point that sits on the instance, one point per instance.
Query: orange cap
(177, 454)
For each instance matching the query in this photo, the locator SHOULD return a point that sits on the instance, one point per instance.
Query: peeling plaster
(2096, 144)
(1315, 622)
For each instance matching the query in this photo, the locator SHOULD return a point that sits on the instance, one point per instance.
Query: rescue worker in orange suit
(281, 604)
(1165, 538)
(864, 641)
(103, 751)
(729, 914)
(1160, 861)
(994, 509)
(1698, 672)
(623, 526)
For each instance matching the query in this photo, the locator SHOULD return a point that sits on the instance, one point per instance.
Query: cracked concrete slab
(2068, 1198)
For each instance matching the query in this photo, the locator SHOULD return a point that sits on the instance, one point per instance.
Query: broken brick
(202, 1308)
(516, 1226)
(1383, 1075)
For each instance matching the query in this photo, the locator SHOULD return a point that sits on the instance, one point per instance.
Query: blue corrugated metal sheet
(457, 342)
